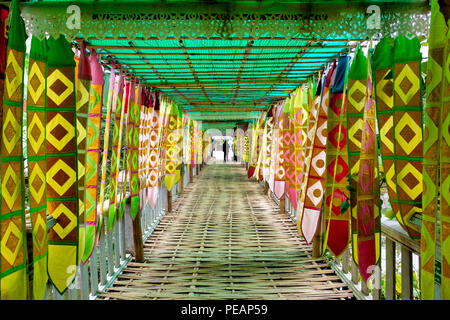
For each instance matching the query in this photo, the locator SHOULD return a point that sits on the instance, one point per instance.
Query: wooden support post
(407, 276)
(364, 288)
(345, 264)
(282, 205)
(181, 189)
(355, 272)
(169, 201)
(316, 245)
(137, 238)
(191, 174)
(266, 188)
(390, 269)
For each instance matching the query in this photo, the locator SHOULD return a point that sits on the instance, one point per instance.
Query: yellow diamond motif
(39, 224)
(12, 84)
(389, 178)
(414, 192)
(81, 170)
(35, 71)
(80, 207)
(9, 198)
(83, 95)
(60, 231)
(36, 143)
(388, 100)
(81, 132)
(10, 141)
(70, 132)
(58, 75)
(408, 146)
(357, 86)
(355, 169)
(7, 253)
(358, 125)
(37, 172)
(386, 127)
(408, 73)
(60, 165)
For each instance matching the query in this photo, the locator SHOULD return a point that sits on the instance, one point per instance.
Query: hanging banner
(36, 102)
(93, 153)
(111, 104)
(62, 164)
(337, 213)
(312, 208)
(368, 224)
(357, 82)
(13, 258)
(436, 154)
(116, 150)
(83, 89)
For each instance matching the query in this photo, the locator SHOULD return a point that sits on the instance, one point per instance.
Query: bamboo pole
(223, 83)
(90, 46)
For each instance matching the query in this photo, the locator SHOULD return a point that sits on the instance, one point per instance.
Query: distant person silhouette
(224, 150)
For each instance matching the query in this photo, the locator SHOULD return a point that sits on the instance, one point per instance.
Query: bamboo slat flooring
(225, 239)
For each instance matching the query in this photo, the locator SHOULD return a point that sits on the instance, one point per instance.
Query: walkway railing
(115, 249)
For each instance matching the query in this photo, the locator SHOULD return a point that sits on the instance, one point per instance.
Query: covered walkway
(225, 239)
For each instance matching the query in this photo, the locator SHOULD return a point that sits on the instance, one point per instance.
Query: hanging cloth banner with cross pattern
(312, 208)
(36, 102)
(337, 218)
(357, 82)
(83, 89)
(13, 253)
(62, 164)
(93, 153)
(436, 158)
(368, 224)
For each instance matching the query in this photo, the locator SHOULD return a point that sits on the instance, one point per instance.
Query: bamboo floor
(225, 239)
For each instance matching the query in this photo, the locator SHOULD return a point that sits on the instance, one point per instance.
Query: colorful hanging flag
(307, 149)
(312, 208)
(154, 156)
(13, 251)
(83, 89)
(279, 172)
(62, 164)
(36, 102)
(93, 153)
(436, 159)
(368, 191)
(357, 82)
(116, 151)
(337, 213)
(172, 149)
(133, 144)
(111, 106)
